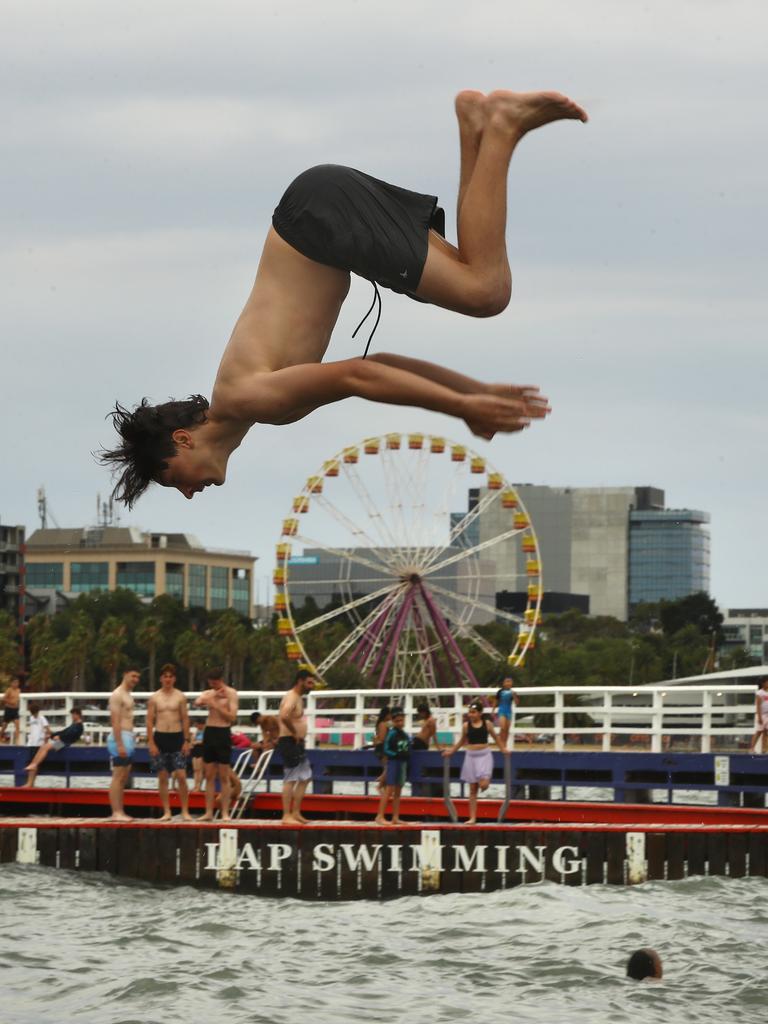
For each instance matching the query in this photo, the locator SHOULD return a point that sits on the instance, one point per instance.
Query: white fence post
(607, 704)
(657, 722)
(558, 722)
(706, 722)
(311, 713)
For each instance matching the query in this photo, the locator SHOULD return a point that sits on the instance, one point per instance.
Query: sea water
(92, 949)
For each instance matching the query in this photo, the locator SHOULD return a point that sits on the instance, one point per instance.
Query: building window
(241, 591)
(45, 574)
(138, 577)
(88, 576)
(196, 579)
(174, 580)
(219, 590)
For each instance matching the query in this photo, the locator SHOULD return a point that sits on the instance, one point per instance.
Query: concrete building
(328, 577)
(78, 561)
(746, 629)
(12, 570)
(610, 546)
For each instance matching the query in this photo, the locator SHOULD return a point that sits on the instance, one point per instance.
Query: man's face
(217, 684)
(131, 679)
(308, 684)
(168, 680)
(192, 468)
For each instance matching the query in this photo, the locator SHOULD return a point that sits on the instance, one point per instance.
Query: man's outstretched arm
(287, 395)
(458, 381)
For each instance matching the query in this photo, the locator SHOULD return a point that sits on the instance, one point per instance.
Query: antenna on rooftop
(105, 512)
(42, 509)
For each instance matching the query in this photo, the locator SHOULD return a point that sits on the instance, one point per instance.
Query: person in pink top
(761, 717)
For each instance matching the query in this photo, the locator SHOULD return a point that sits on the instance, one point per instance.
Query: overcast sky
(145, 146)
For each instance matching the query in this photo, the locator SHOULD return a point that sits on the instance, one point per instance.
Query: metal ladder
(249, 785)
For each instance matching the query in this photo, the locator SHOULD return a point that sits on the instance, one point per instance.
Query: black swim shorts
(169, 757)
(217, 744)
(10, 714)
(346, 219)
(291, 751)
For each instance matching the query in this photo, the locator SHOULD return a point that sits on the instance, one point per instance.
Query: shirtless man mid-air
(297, 771)
(168, 742)
(331, 221)
(222, 702)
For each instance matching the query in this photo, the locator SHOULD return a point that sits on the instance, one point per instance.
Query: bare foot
(397, 821)
(185, 816)
(302, 819)
(165, 817)
(380, 821)
(521, 112)
(471, 821)
(205, 817)
(117, 816)
(289, 819)
(470, 110)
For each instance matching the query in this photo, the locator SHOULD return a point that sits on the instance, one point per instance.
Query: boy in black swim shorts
(333, 221)
(222, 702)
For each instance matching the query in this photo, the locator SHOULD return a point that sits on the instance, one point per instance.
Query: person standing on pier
(297, 770)
(167, 739)
(397, 750)
(11, 699)
(222, 702)
(477, 769)
(121, 743)
(761, 717)
(427, 730)
(505, 696)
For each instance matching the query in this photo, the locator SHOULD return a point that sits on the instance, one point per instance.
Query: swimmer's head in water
(644, 963)
(153, 436)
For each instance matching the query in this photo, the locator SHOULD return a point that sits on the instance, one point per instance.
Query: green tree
(148, 636)
(229, 640)
(191, 651)
(76, 648)
(110, 645)
(10, 661)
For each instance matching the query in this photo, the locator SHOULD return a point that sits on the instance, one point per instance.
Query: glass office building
(668, 554)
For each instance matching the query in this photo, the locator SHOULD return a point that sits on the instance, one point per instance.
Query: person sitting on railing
(63, 738)
(477, 769)
(761, 717)
(397, 750)
(503, 704)
(427, 730)
(270, 731)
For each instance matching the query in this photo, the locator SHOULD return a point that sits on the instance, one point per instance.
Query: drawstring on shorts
(376, 298)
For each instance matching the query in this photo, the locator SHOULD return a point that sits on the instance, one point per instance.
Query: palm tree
(230, 641)
(148, 636)
(9, 645)
(110, 645)
(190, 650)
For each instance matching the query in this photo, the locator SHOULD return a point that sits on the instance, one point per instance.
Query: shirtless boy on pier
(121, 743)
(331, 221)
(167, 739)
(221, 702)
(297, 771)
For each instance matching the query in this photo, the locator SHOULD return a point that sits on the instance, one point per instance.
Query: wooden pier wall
(341, 861)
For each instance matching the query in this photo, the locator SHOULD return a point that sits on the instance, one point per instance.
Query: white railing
(654, 718)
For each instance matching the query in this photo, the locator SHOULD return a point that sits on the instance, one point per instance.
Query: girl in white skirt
(477, 769)
(761, 717)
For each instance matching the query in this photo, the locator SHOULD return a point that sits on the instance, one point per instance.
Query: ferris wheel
(391, 558)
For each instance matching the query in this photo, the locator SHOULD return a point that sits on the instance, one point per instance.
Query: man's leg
(116, 790)
(40, 756)
(181, 785)
(287, 796)
(475, 278)
(165, 800)
(210, 790)
(226, 790)
(298, 795)
(380, 818)
(470, 112)
(396, 805)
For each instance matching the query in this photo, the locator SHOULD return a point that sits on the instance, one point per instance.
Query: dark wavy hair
(147, 443)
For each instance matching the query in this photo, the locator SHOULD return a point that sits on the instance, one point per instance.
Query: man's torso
(122, 702)
(168, 710)
(292, 707)
(218, 710)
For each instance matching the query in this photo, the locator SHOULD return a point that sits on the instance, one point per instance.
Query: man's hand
(154, 750)
(499, 412)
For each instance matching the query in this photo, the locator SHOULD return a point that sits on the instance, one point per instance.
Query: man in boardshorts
(333, 221)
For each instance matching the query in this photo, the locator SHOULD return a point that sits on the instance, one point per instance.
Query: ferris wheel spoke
(343, 553)
(374, 641)
(464, 523)
(475, 603)
(396, 505)
(350, 640)
(348, 606)
(357, 531)
(379, 522)
(468, 552)
(484, 645)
